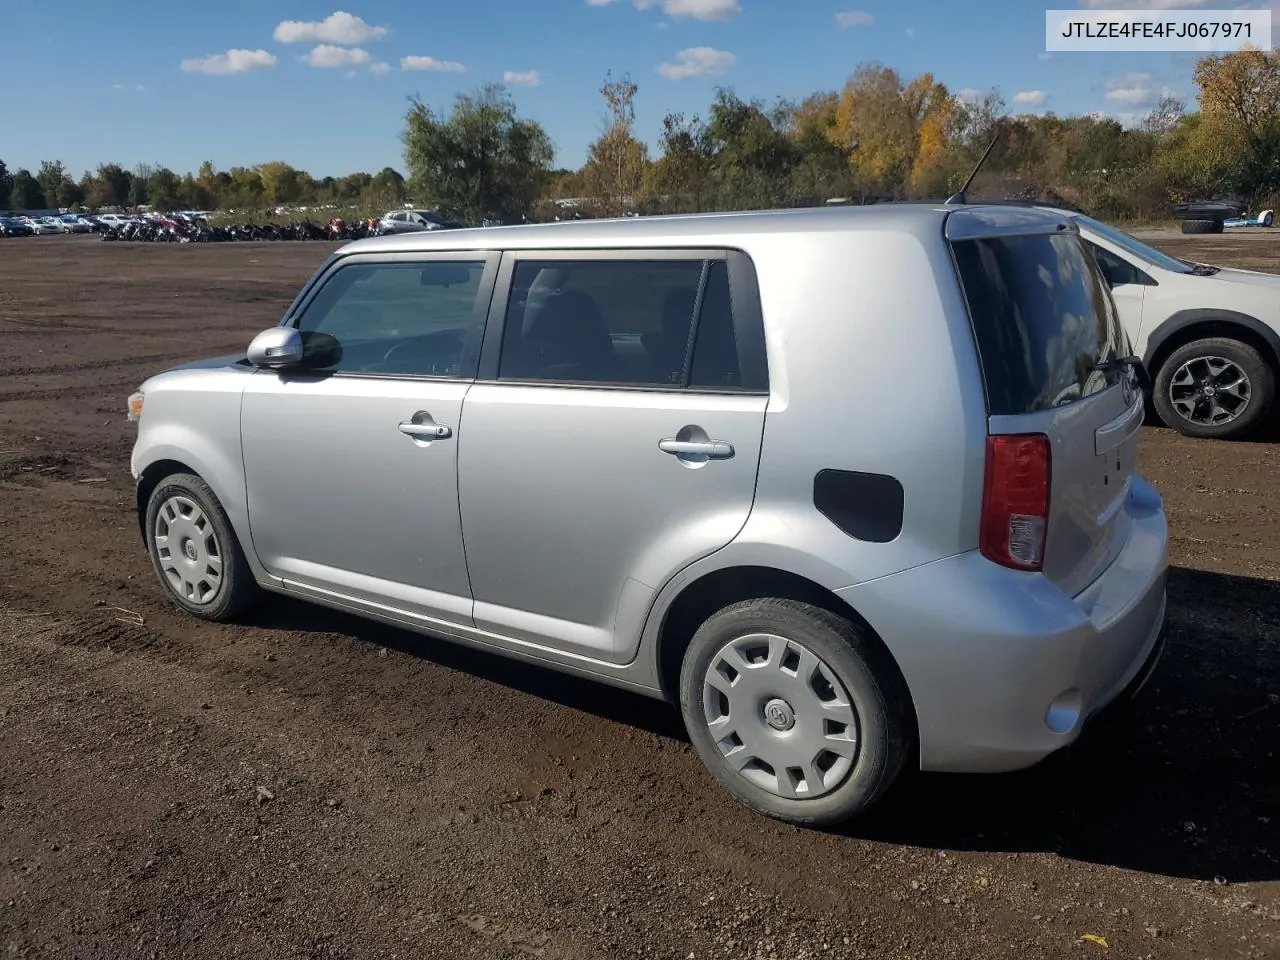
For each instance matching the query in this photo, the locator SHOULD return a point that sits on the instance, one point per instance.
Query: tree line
(245, 188)
(880, 137)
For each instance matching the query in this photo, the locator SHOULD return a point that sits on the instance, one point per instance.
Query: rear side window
(1042, 319)
(661, 323)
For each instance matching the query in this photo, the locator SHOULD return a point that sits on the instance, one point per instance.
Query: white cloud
(329, 57)
(380, 68)
(431, 63)
(522, 78)
(969, 96)
(854, 18)
(685, 9)
(1133, 89)
(697, 62)
(1143, 4)
(341, 28)
(1030, 98)
(134, 87)
(233, 61)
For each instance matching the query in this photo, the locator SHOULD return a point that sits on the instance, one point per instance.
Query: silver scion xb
(854, 487)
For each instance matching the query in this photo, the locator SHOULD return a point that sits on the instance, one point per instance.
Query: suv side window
(612, 321)
(397, 318)
(1116, 270)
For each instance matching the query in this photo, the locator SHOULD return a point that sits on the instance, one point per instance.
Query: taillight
(1015, 501)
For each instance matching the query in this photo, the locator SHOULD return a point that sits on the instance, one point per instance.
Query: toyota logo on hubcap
(779, 715)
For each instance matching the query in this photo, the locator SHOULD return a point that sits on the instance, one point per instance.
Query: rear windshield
(1042, 319)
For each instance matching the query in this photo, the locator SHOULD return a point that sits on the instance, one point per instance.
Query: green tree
(69, 194)
(678, 180)
(50, 176)
(387, 188)
(26, 192)
(281, 183)
(751, 156)
(6, 186)
(139, 185)
(110, 186)
(165, 189)
(617, 161)
(481, 161)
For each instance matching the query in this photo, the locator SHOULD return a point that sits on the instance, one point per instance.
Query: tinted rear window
(1042, 319)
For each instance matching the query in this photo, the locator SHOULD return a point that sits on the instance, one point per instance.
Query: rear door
(1045, 325)
(612, 438)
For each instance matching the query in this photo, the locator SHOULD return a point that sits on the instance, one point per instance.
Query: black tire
(878, 695)
(236, 590)
(1201, 226)
(1262, 381)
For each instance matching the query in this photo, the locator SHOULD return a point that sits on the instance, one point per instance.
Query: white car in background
(45, 226)
(1208, 336)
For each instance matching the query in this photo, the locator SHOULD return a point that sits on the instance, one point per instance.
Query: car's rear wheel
(195, 551)
(1214, 388)
(796, 711)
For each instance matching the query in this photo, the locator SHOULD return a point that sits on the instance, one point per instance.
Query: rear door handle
(711, 449)
(425, 431)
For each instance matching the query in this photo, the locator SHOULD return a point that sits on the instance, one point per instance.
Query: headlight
(135, 407)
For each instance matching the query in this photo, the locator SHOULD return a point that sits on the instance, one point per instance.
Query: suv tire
(202, 541)
(777, 714)
(1248, 361)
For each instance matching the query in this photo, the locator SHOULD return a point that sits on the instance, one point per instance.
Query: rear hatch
(1048, 338)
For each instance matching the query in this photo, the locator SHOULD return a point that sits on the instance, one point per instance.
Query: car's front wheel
(794, 710)
(1216, 388)
(195, 550)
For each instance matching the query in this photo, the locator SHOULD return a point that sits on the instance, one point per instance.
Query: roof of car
(688, 229)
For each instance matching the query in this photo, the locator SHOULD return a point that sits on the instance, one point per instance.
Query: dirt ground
(310, 785)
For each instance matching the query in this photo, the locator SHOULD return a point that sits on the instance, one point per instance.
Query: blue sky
(323, 85)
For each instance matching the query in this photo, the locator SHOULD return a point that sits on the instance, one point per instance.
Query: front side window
(621, 322)
(1117, 271)
(410, 319)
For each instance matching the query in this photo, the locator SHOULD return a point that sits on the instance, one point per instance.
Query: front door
(601, 454)
(351, 466)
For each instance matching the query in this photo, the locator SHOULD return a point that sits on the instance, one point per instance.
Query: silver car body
(549, 526)
(409, 221)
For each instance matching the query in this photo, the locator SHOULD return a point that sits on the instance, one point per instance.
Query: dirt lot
(309, 785)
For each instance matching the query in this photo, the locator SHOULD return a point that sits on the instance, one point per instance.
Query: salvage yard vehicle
(668, 454)
(411, 221)
(1209, 336)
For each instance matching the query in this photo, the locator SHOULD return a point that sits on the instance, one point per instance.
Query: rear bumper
(1003, 667)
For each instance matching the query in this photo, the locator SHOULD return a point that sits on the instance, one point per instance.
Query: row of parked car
(24, 226)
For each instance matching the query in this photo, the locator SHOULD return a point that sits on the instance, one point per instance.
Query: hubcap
(1209, 391)
(190, 555)
(780, 716)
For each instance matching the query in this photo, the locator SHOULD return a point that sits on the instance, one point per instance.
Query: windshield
(1134, 245)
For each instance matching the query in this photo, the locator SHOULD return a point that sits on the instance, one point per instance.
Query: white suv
(1209, 336)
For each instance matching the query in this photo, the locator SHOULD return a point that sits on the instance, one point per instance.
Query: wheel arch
(719, 588)
(150, 478)
(1190, 325)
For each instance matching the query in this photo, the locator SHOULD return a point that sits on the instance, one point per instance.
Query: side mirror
(275, 348)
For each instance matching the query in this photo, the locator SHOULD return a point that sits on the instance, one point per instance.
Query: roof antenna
(958, 196)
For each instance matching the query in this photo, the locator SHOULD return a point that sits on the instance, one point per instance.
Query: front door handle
(711, 449)
(425, 431)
